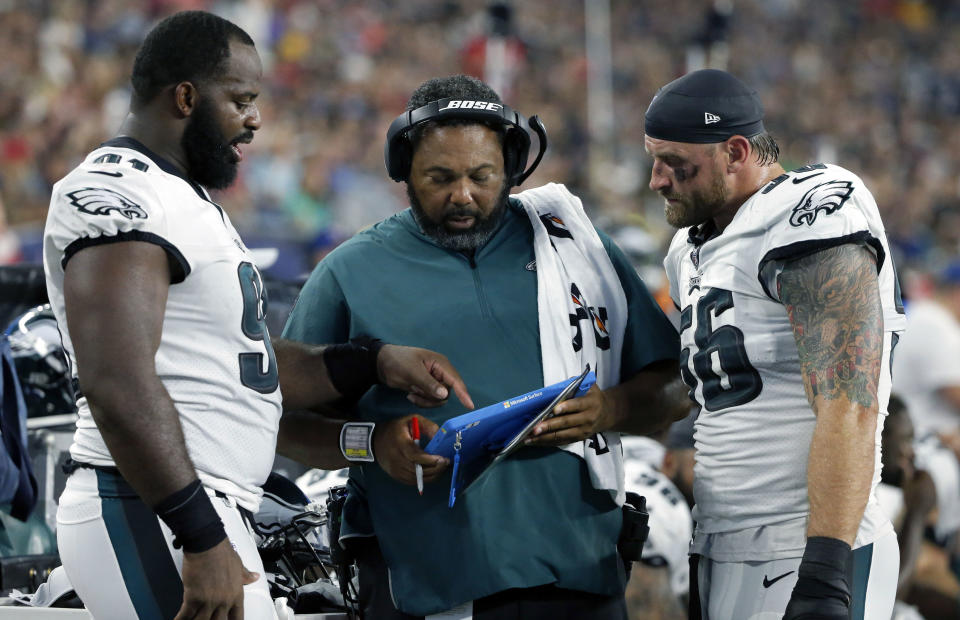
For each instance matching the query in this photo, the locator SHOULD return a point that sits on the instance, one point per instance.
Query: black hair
(452, 87)
(187, 46)
(766, 148)
(896, 406)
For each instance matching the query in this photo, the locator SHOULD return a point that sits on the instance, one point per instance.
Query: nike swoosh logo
(109, 174)
(769, 582)
(802, 179)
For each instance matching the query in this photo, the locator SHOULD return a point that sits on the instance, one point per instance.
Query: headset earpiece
(398, 156)
(516, 148)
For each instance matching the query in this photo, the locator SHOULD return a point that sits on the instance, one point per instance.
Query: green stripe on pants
(149, 574)
(862, 558)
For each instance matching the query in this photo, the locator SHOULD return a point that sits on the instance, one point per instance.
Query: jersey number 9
(253, 324)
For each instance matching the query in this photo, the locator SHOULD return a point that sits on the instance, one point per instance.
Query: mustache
(245, 138)
(461, 212)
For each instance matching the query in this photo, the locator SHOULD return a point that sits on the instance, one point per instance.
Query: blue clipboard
(478, 440)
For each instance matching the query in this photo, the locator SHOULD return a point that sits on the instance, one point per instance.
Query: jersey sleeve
(649, 335)
(828, 213)
(109, 205)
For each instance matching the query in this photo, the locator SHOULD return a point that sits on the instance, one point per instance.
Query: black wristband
(826, 552)
(353, 366)
(191, 517)
(824, 569)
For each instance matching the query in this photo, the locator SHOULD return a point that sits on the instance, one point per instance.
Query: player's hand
(427, 376)
(576, 419)
(397, 451)
(213, 584)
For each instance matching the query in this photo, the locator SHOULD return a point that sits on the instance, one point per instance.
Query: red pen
(415, 431)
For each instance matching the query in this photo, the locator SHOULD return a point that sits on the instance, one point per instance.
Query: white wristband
(356, 441)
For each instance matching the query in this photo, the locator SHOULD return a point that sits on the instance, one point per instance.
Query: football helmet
(293, 539)
(318, 482)
(41, 363)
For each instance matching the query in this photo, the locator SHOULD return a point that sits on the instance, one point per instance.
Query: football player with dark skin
(116, 295)
(919, 492)
(926, 580)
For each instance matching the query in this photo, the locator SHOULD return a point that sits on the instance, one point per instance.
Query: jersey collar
(127, 142)
(698, 235)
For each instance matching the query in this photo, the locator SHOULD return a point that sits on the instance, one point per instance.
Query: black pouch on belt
(634, 531)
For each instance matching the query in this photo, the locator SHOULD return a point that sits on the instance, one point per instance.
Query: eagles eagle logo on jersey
(101, 201)
(826, 197)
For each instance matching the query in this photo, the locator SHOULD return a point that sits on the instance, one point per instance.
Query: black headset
(398, 151)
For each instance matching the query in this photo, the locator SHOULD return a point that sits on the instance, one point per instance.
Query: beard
(210, 159)
(697, 207)
(466, 240)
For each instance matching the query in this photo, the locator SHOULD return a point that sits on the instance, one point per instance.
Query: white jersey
(671, 526)
(215, 358)
(890, 499)
(924, 363)
(740, 358)
(941, 463)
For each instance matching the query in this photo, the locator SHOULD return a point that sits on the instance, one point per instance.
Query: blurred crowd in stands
(873, 85)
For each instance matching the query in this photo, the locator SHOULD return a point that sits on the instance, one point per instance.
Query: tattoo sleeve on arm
(833, 301)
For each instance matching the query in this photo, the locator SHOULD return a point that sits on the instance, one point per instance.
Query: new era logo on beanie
(703, 107)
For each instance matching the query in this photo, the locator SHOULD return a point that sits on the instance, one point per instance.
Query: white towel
(583, 313)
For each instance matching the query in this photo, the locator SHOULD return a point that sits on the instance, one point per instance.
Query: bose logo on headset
(472, 105)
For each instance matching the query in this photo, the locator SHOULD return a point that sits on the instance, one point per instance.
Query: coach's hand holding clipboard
(576, 419)
(476, 441)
